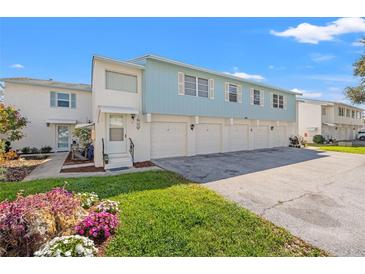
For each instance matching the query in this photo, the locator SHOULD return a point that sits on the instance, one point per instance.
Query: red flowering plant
(28, 222)
(98, 225)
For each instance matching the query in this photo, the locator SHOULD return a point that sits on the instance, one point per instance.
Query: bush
(10, 155)
(46, 149)
(318, 139)
(108, 206)
(98, 225)
(34, 150)
(25, 150)
(87, 199)
(68, 246)
(28, 222)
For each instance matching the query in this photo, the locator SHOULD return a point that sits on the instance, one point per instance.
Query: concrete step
(119, 162)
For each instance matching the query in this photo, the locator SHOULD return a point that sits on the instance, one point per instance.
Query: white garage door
(168, 140)
(341, 133)
(208, 138)
(260, 137)
(238, 137)
(279, 137)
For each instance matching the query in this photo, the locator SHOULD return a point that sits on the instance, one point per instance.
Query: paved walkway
(52, 167)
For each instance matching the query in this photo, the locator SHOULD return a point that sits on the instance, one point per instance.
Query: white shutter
(239, 94)
(271, 100)
(262, 98)
(285, 102)
(180, 80)
(53, 99)
(211, 88)
(226, 91)
(251, 96)
(73, 100)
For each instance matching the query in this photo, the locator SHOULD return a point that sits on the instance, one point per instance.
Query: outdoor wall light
(335, 128)
(192, 126)
(133, 116)
(246, 118)
(272, 127)
(138, 123)
(47, 124)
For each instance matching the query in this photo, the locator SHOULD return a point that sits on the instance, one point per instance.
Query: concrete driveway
(318, 196)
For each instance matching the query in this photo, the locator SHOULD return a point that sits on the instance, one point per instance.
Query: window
(190, 85)
(358, 114)
(353, 114)
(121, 82)
(347, 112)
(256, 97)
(203, 87)
(323, 111)
(232, 93)
(281, 101)
(277, 101)
(63, 100)
(341, 111)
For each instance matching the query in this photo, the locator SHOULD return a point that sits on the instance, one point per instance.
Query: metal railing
(131, 149)
(105, 156)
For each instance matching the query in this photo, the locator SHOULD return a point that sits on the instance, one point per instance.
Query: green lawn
(162, 214)
(356, 150)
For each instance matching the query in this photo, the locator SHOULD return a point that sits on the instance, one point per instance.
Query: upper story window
(353, 114)
(190, 85)
(256, 97)
(358, 114)
(323, 111)
(278, 101)
(347, 112)
(195, 86)
(121, 81)
(203, 87)
(62, 99)
(232, 93)
(341, 111)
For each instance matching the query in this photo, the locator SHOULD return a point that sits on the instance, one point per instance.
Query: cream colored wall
(309, 116)
(103, 96)
(34, 103)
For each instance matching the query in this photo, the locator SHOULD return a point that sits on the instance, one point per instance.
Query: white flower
(68, 253)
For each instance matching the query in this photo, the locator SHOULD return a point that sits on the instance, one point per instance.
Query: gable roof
(46, 83)
(178, 63)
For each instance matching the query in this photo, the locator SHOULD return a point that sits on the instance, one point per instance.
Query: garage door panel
(168, 140)
(208, 138)
(260, 137)
(279, 136)
(238, 137)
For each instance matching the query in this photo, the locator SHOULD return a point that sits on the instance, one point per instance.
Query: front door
(63, 138)
(116, 134)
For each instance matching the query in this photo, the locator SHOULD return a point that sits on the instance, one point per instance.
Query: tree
(357, 94)
(11, 125)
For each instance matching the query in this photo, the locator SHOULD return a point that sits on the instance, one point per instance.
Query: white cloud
(247, 76)
(331, 78)
(309, 94)
(313, 34)
(17, 66)
(318, 58)
(272, 67)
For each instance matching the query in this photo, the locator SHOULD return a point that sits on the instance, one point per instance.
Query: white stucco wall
(309, 117)
(34, 103)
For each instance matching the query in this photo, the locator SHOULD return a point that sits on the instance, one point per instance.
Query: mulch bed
(143, 164)
(83, 169)
(69, 161)
(17, 170)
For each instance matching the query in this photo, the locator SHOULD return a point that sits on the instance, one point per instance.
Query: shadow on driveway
(213, 167)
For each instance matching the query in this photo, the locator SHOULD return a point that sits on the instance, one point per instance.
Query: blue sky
(313, 55)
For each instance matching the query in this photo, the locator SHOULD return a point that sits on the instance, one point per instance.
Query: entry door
(63, 138)
(116, 134)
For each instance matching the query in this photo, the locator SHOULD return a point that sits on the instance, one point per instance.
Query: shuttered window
(256, 97)
(278, 101)
(190, 85)
(203, 87)
(232, 93)
(121, 82)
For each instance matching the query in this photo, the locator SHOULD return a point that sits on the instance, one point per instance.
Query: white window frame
(197, 90)
(205, 91)
(281, 101)
(259, 97)
(341, 111)
(122, 73)
(69, 99)
(195, 82)
(348, 113)
(229, 93)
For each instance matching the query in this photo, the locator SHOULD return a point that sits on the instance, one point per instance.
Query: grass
(163, 214)
(356, 150)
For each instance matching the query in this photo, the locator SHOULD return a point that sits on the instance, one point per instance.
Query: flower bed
(45, 224)
(17, 170)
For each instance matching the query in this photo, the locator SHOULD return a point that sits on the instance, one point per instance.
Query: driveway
(318, 196)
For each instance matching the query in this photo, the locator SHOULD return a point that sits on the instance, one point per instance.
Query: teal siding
(160, 95)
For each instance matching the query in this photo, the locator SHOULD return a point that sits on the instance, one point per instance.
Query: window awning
(120, 110)
(61, 121)
(330, 125)
(87, 125)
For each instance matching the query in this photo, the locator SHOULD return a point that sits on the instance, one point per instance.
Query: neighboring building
(329, 119)
(165, 108)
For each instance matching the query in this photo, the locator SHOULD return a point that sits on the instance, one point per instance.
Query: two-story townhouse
(330, 119)
(52, 109)
(167, 108)
(152, 107)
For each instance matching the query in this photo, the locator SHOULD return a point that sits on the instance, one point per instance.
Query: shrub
(68, 246)
(11, 155)
(84, 136)
(108, 206)
(87, 199)
(318, 139)
(28, 222)
(98, 225)
(34, 150)
(25, 150)
(46, 149)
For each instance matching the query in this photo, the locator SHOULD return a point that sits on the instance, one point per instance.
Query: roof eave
(119, 62)
(43, 85)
